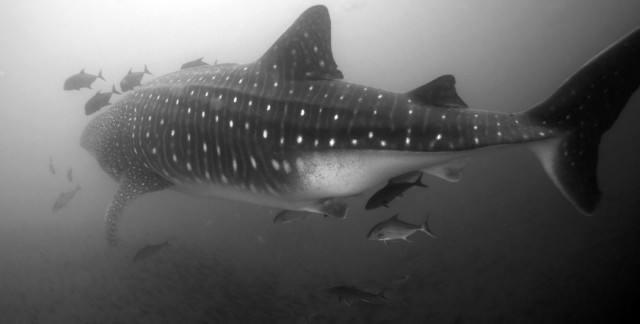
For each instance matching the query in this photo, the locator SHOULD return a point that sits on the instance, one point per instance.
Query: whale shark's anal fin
(135, 182)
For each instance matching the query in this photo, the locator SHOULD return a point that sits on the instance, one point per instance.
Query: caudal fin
(419, 183)
(425, 226)
(583, 108)
(114, 90)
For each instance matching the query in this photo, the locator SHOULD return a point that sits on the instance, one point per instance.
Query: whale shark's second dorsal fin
(440, 92)
(303, 52)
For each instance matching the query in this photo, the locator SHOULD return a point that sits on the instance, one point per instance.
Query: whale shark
(287, 131)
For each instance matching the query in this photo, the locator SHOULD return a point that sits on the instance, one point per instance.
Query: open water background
(510, 248)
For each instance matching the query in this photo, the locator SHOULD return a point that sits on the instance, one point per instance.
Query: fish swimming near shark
(64, 199)
(290, 216)
(133, 79)
(391, 191)
(99, 100)
(52, 169)
(287, 132)
(150, 250)
(81, 80)
(396, 229)
(350, 295)
(194, 63)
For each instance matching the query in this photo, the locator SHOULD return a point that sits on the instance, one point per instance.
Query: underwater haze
(508, 246)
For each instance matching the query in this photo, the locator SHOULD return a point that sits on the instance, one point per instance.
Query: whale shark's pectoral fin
(451, 171)
(135, 182)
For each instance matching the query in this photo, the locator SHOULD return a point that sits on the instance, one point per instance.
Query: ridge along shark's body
(286, 132)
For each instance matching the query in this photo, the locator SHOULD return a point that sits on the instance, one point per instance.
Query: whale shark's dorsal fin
(303, 52)
(440, 92)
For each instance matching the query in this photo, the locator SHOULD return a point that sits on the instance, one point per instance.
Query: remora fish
(99, 100)
(390, 192)
(351, 295)
(290, 216)
(194, 63)
(133, 79)
(150, 250)
(395, 229)
(286, 132)
(81, 80)
(64, 199)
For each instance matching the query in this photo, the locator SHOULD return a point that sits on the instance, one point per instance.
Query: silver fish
(52, 169)
(99, 100)
(194, 63)
(150, 250)
(290, 216)
(391, 191)
(133, 79)
(395, 229)
(351, 295)
(81, 80)
(64, 199)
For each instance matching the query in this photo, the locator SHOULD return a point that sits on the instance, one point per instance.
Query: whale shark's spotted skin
(286, 131)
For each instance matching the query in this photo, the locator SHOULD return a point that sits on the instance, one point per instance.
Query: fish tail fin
(419, 183)
(576, 115)
(147, 70)
(382, 296)
(100, 76)
(425, 226)
(114, 90)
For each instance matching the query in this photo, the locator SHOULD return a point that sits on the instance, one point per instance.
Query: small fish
(290, 216)
(52, 169)
(351, 295)
(406, 177)
(99, 100)
(399, 279)
(133, 79)
(81, 80)
(392, 190)
(194, 63)
(64, 199)
(150, 250)
(395, 229)
(69, 175)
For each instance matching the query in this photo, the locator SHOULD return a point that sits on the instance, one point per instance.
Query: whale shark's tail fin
(581, 110)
